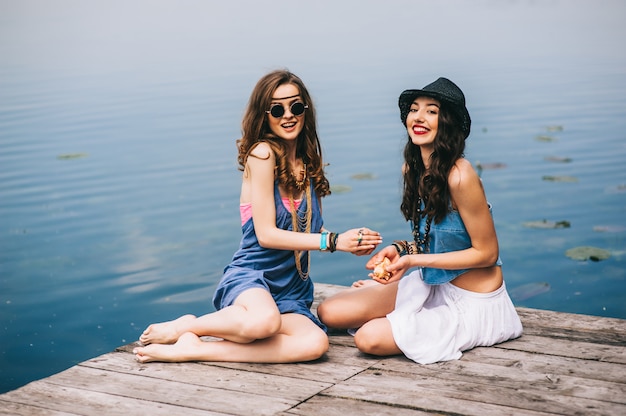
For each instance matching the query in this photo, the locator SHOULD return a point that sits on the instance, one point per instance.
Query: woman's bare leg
(376, 337)
(354, 307)
(254, 315)
(298, 339)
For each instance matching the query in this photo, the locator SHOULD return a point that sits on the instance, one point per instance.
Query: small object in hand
(380, 272)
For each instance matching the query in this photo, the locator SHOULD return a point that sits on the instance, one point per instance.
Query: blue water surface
(119, 186)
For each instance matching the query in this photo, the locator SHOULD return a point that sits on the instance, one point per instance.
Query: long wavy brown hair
(432, 185)
(255, 129)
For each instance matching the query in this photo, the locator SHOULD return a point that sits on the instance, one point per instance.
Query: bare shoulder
(262, 150)
(463, 173)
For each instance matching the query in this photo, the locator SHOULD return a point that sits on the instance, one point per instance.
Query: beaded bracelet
(404, 247)
(401, 247)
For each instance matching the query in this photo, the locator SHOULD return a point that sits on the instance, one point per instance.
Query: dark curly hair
(255, 129)
(432, 185)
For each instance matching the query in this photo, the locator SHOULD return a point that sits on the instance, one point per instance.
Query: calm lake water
(118, 178)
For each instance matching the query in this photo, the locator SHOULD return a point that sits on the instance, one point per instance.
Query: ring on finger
(360, 238)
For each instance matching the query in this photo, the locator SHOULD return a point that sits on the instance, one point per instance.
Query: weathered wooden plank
(468, 398)
(338, 364)
(341, 337)
(576, 322)
(338, 406)
(555, 382)
(548, 364)
(45, 395)
(566, 348)
(211, 376)
(189, 396)
(19, 409)
(404, 395)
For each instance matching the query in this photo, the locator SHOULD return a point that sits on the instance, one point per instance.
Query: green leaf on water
(340, 189)
(69, 156)
(363, 176)
(563, 178)
(557, 159)
(544, 138)
(583, 253)
(547, 224)
(492, 165)
(554, 128)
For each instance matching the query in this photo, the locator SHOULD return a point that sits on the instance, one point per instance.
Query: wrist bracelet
(324, 241)
(332, 242)
(401, 247)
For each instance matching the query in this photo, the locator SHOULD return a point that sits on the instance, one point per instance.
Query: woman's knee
(366, 342)
(325, 312)
(374, 338)
(261, 325)
(316, 345)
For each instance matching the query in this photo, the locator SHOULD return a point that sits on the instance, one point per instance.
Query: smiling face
(422, 121)
(288, 126)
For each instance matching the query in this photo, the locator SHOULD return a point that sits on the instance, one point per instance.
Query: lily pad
(558, 159)
(528, 290)
(544, 138)
(363, 176)
(340, 189)
(583, 253)
(493, 165)
(547, 224)
(68, 156)
(554, 128)
(563, 178)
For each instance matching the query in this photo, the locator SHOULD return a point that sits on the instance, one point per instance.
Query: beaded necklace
(422, 244)
(302, 224)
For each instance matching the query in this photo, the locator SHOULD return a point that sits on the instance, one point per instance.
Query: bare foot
(182, 350)
(364, 283)
(165, 332)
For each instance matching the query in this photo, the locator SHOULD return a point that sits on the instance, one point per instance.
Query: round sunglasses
(277, 110)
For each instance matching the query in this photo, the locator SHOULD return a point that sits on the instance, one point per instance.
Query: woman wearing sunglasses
(264, 297)
(455, 299)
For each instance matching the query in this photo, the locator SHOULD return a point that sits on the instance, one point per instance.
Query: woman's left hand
(359, 241)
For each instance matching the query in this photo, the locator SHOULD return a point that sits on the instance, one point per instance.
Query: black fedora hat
(444, 91)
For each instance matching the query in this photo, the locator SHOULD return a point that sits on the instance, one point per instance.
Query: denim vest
(449, 235)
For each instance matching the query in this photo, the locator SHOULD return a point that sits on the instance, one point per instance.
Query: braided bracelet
(332, 242)
(401, 247)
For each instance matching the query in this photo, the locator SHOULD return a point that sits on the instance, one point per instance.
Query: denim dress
(274, 270)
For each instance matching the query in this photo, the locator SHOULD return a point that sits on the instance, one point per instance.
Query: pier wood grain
(564, 364)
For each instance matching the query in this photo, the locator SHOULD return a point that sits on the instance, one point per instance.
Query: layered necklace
(302, 223)
(422, 244)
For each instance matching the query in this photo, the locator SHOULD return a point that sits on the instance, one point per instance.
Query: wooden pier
(564, 364)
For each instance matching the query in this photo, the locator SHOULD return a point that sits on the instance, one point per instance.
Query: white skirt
(434, 323)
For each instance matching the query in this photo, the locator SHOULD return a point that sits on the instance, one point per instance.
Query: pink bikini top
(245, 210)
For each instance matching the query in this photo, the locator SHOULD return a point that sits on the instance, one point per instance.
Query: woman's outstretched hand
(397, 266)
(359, 241)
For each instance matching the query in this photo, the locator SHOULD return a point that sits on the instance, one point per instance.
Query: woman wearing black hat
(455, 299)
